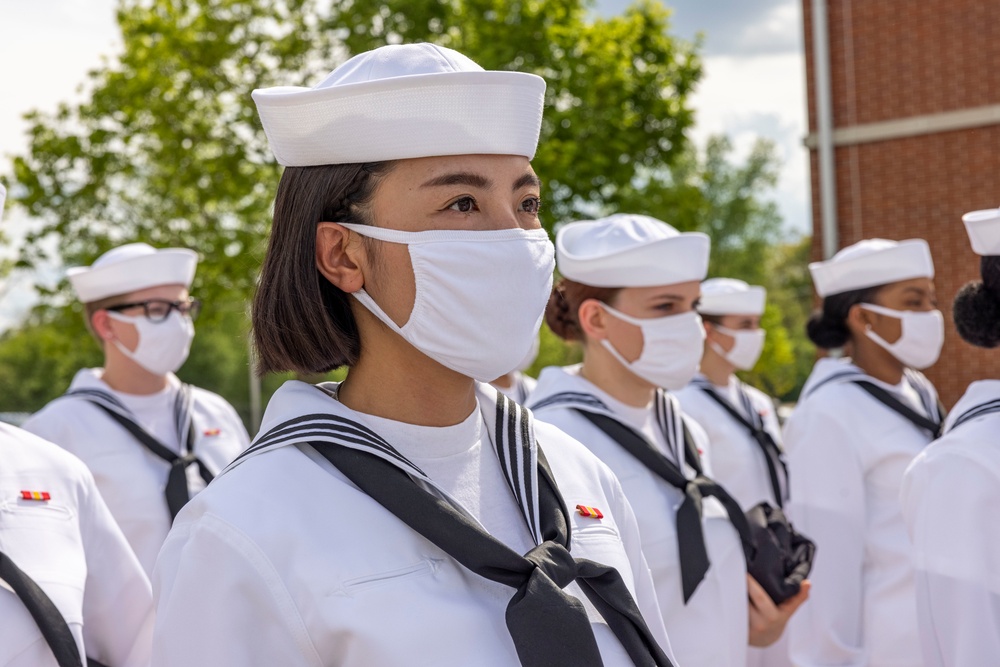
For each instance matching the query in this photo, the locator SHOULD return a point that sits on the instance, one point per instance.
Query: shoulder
(36, 460)
(571, 459)
(212, 401)
(58, 415)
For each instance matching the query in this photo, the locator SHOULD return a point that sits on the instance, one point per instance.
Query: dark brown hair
(827, 327)
(977, 306)
(301, 322)
(562, 311)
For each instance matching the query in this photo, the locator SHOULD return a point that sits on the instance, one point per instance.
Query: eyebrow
(460, 178)
(529, 179)
(667, 297)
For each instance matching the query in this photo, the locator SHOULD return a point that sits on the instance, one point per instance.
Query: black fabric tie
(690, 536)
(772, 453)
(177, 493)
(901, 408)
(548, 626)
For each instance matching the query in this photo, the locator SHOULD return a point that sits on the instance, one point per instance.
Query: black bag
(784, 557)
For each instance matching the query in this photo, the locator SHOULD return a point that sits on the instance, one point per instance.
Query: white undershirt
(462, 461)
(155, 412)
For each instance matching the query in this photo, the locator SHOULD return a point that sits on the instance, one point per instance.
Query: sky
(753, 85)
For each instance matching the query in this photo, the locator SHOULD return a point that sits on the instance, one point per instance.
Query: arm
(828, 505)
(219, 601)
(117, 601)
(949, 503)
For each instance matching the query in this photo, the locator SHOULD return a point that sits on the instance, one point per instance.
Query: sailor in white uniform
(952, 489)
(740, 420)
(409, 515)
(859, 423)
(627, 295)
(70, 587)
(150, 440)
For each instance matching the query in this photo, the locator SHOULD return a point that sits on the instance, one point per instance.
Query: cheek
(890, 329)
(627, 339)
(126, 334)
(389, 280)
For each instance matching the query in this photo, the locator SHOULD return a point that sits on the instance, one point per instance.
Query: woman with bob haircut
(952, 489)
(410, 514)
(859, 423)
(627, 295)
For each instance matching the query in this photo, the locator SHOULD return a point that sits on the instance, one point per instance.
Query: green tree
(168, 148)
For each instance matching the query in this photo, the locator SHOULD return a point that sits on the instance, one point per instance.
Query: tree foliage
(168, 149)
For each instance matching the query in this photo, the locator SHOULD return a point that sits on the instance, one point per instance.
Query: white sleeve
(828, 506)
(645, 592)
(949, 503)
(117, 601)
(219, 601)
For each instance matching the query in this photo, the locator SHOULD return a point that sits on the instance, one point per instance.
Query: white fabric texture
(671, 348)
(131, 478)
(872, 262)
(983, 228)
(921, 335)
(480, 295)
(738, 463)
(130, 268)
(629, 250)
(711, 629)
(846, 454)
(950, 494)
(163, 347)
(318, 573)
(71, 547)
(403, 101)
(728, 296)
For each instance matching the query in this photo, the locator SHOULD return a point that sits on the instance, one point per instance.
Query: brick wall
(891, 59)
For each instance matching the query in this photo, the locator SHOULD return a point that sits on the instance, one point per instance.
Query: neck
(394, 381)
(716, 368)
(876, 361)
(604, 371)
(126, 376)
(504, 381)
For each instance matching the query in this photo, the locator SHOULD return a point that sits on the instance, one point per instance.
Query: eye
(666, 307)
(464, 205)
(531, 205)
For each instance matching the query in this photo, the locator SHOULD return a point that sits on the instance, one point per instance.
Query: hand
(768, 620)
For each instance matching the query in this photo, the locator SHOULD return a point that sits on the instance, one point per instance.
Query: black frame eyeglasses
(158, 310)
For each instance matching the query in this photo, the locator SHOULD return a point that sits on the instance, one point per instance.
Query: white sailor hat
(403, 101)
(727, 296)
(130, 268)
(629, 250)
(984, 231)
(3, 198)
(870, 263)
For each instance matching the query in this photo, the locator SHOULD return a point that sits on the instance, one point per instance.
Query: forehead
(913, 285)
(686, 290)
(414, 172)
(167, 292)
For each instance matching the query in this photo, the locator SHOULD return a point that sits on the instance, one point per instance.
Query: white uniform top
(950, 497)
(130, 477)
(305, 569)
(738, 463)
(711, 629)
(847, 453)
(69, 546)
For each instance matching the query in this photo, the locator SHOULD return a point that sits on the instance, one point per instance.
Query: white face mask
(163, 346)
(671, 348)
(747, 346)
(922, 337)
(480, 295)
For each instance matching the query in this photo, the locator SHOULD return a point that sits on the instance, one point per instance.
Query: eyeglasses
(158, 310)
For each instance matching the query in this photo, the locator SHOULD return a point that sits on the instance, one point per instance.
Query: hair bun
(825, 332)
(558, 315)
(977, 315)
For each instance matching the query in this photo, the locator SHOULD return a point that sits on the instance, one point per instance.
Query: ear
(101, 324)
(593, 319)
(340, 256)
(859, 320)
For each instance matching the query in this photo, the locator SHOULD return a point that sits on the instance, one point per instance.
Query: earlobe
(339, 256)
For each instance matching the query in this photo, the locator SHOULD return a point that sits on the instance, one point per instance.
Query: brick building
(914, 138)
